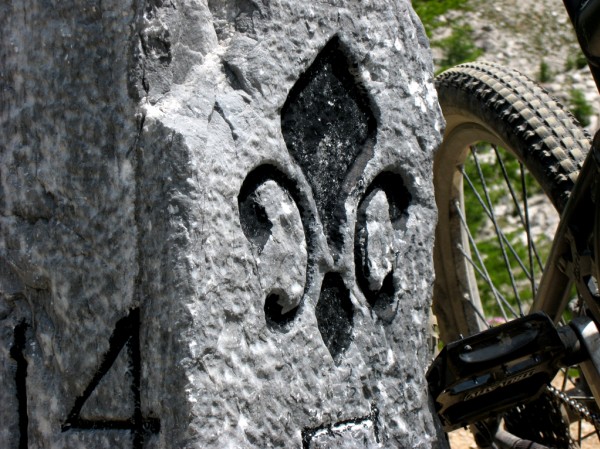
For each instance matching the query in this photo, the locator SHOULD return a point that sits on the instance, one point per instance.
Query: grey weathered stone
(216, 224)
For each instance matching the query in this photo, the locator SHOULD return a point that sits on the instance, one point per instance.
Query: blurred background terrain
(534, 37)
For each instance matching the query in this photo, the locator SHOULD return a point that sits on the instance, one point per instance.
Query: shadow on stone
(277, 320)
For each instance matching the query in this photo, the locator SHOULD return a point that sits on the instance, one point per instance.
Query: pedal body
(485, 374)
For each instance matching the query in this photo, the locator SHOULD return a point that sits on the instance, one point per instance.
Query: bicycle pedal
(487, 373)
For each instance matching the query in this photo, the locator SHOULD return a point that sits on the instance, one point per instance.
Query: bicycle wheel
(503, 174)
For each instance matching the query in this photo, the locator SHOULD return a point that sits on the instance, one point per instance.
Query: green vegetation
(580, 107)
(457, 48)
(430, 11)
(575, 61)
(545, 74)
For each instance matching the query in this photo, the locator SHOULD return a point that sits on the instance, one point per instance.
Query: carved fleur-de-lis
(330, 131)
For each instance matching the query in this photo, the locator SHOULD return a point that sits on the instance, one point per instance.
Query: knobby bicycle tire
(484, 102)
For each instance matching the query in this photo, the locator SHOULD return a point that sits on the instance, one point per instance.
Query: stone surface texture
(216, 224)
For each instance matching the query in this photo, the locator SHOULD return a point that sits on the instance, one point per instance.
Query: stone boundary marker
(216, 224)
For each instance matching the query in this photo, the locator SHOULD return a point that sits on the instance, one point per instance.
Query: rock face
(216, 224)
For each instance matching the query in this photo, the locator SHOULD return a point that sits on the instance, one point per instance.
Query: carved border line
(309, 433)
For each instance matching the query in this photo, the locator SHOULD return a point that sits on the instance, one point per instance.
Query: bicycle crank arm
(485, 374)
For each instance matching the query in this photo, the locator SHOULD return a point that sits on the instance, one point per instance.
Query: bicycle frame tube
(570, 261)
(585, 17)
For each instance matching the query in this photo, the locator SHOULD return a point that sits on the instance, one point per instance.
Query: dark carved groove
(16, 353)
(335, 315)
(255, 179)
(276, 320)
(309, 433)
(257, 229)
(329, 129)
(399, 199)
(253, 218)
(126, 333)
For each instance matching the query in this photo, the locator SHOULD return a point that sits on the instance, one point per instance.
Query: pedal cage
(485, 374)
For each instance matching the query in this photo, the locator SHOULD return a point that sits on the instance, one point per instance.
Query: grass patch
(580, 107)
(457, 48)
(545, 74)
(430, 11)
(575, 61)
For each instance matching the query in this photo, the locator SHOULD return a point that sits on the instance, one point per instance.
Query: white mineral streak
(127, 132)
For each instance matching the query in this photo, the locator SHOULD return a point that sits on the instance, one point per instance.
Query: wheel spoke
(487, 278)
(565, 378)
(497, 229)
(477, 311)
(508, 183)
(489, 215)
(523, 217)
(481, 269)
